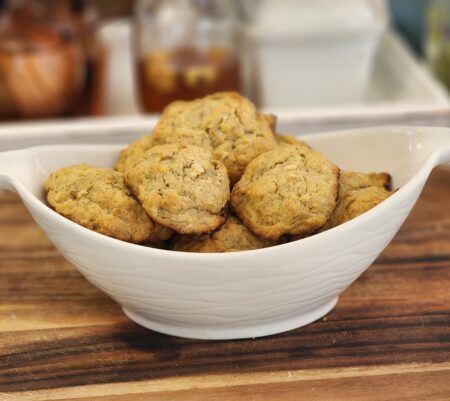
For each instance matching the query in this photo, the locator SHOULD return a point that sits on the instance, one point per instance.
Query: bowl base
(232, 333)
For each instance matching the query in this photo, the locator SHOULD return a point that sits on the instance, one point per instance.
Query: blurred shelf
(401, 91)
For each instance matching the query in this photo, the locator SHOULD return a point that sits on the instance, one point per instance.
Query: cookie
(182, 187)
(358, 193)
(133, 152)
(98, 199)
(286, 139)
(356, 203)
(271, 120)
(381, 180)
(352, 180)
(233, 236)
(289, 190)
(225, 124)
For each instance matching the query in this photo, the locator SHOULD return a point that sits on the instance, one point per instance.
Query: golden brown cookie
(233, 236)
(271, 120)
(98, 199)
(358, 193)
(225, 124)
(356, 203)
(182, 187)
(286, 139)
(355, 190)
(351, 180)
(133, 152)
(289, 190)
(381, 180)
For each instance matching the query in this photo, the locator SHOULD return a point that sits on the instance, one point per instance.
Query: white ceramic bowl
(242, 294)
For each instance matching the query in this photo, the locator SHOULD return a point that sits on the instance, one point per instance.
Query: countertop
(387, 339)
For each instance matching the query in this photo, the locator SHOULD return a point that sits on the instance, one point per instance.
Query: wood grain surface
(387, 339)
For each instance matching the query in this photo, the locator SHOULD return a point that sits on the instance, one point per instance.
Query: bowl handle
(443, 156)
(13, 165)
(436, 142)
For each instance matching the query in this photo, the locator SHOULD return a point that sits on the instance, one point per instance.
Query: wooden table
(387, 339)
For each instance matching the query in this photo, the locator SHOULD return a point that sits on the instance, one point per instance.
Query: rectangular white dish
(402, 91)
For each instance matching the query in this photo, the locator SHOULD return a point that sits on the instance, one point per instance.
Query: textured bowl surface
(242, 294)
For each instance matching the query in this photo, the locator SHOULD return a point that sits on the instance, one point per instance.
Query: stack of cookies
(214, 176)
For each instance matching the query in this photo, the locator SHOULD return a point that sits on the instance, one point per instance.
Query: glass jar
(44, 58)
(184, 49)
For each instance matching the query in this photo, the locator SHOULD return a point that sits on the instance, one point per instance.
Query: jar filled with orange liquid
(184, 49)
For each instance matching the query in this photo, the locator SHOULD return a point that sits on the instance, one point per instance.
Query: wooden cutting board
(387, 339)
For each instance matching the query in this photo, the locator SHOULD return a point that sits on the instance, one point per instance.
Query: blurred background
(102, 70)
